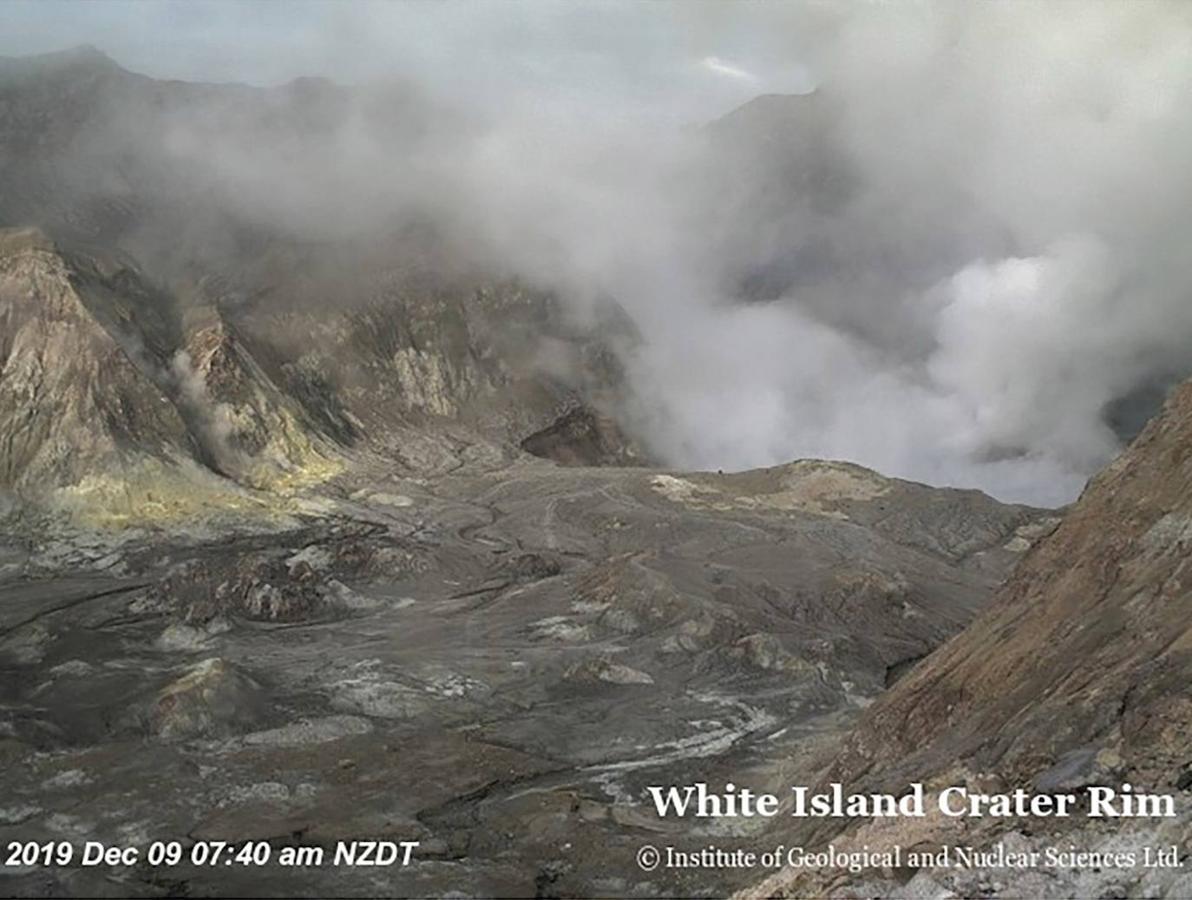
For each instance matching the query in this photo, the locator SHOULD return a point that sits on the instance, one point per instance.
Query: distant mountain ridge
(198, 328)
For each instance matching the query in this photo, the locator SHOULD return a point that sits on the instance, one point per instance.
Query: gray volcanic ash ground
(449, 448)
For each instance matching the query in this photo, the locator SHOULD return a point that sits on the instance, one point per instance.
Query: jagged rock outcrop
(583, 437)
(77, 382)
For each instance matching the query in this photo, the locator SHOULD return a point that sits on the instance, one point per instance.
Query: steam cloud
(962, 259)
(212, 421)
(1006, 264)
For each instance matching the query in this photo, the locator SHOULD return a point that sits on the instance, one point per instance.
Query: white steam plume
(953, 261)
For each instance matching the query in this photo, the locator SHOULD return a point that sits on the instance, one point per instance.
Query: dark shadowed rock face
(583, 437)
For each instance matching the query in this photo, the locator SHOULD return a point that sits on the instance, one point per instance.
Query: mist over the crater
(945, 242)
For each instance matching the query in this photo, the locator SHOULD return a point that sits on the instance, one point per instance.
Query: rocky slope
(1088, 643)
(119, 399)
(1076, 674)
(109, 394)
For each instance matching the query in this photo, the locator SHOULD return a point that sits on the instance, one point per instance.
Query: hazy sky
(685, 60)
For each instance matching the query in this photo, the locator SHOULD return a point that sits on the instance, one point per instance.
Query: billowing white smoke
(1030, 351)
(1010, 260)
(982, 229)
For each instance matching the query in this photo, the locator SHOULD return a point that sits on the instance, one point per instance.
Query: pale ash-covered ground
(493, 660)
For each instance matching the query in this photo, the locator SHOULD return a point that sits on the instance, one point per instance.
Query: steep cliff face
(370, 349)
(76, 381)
